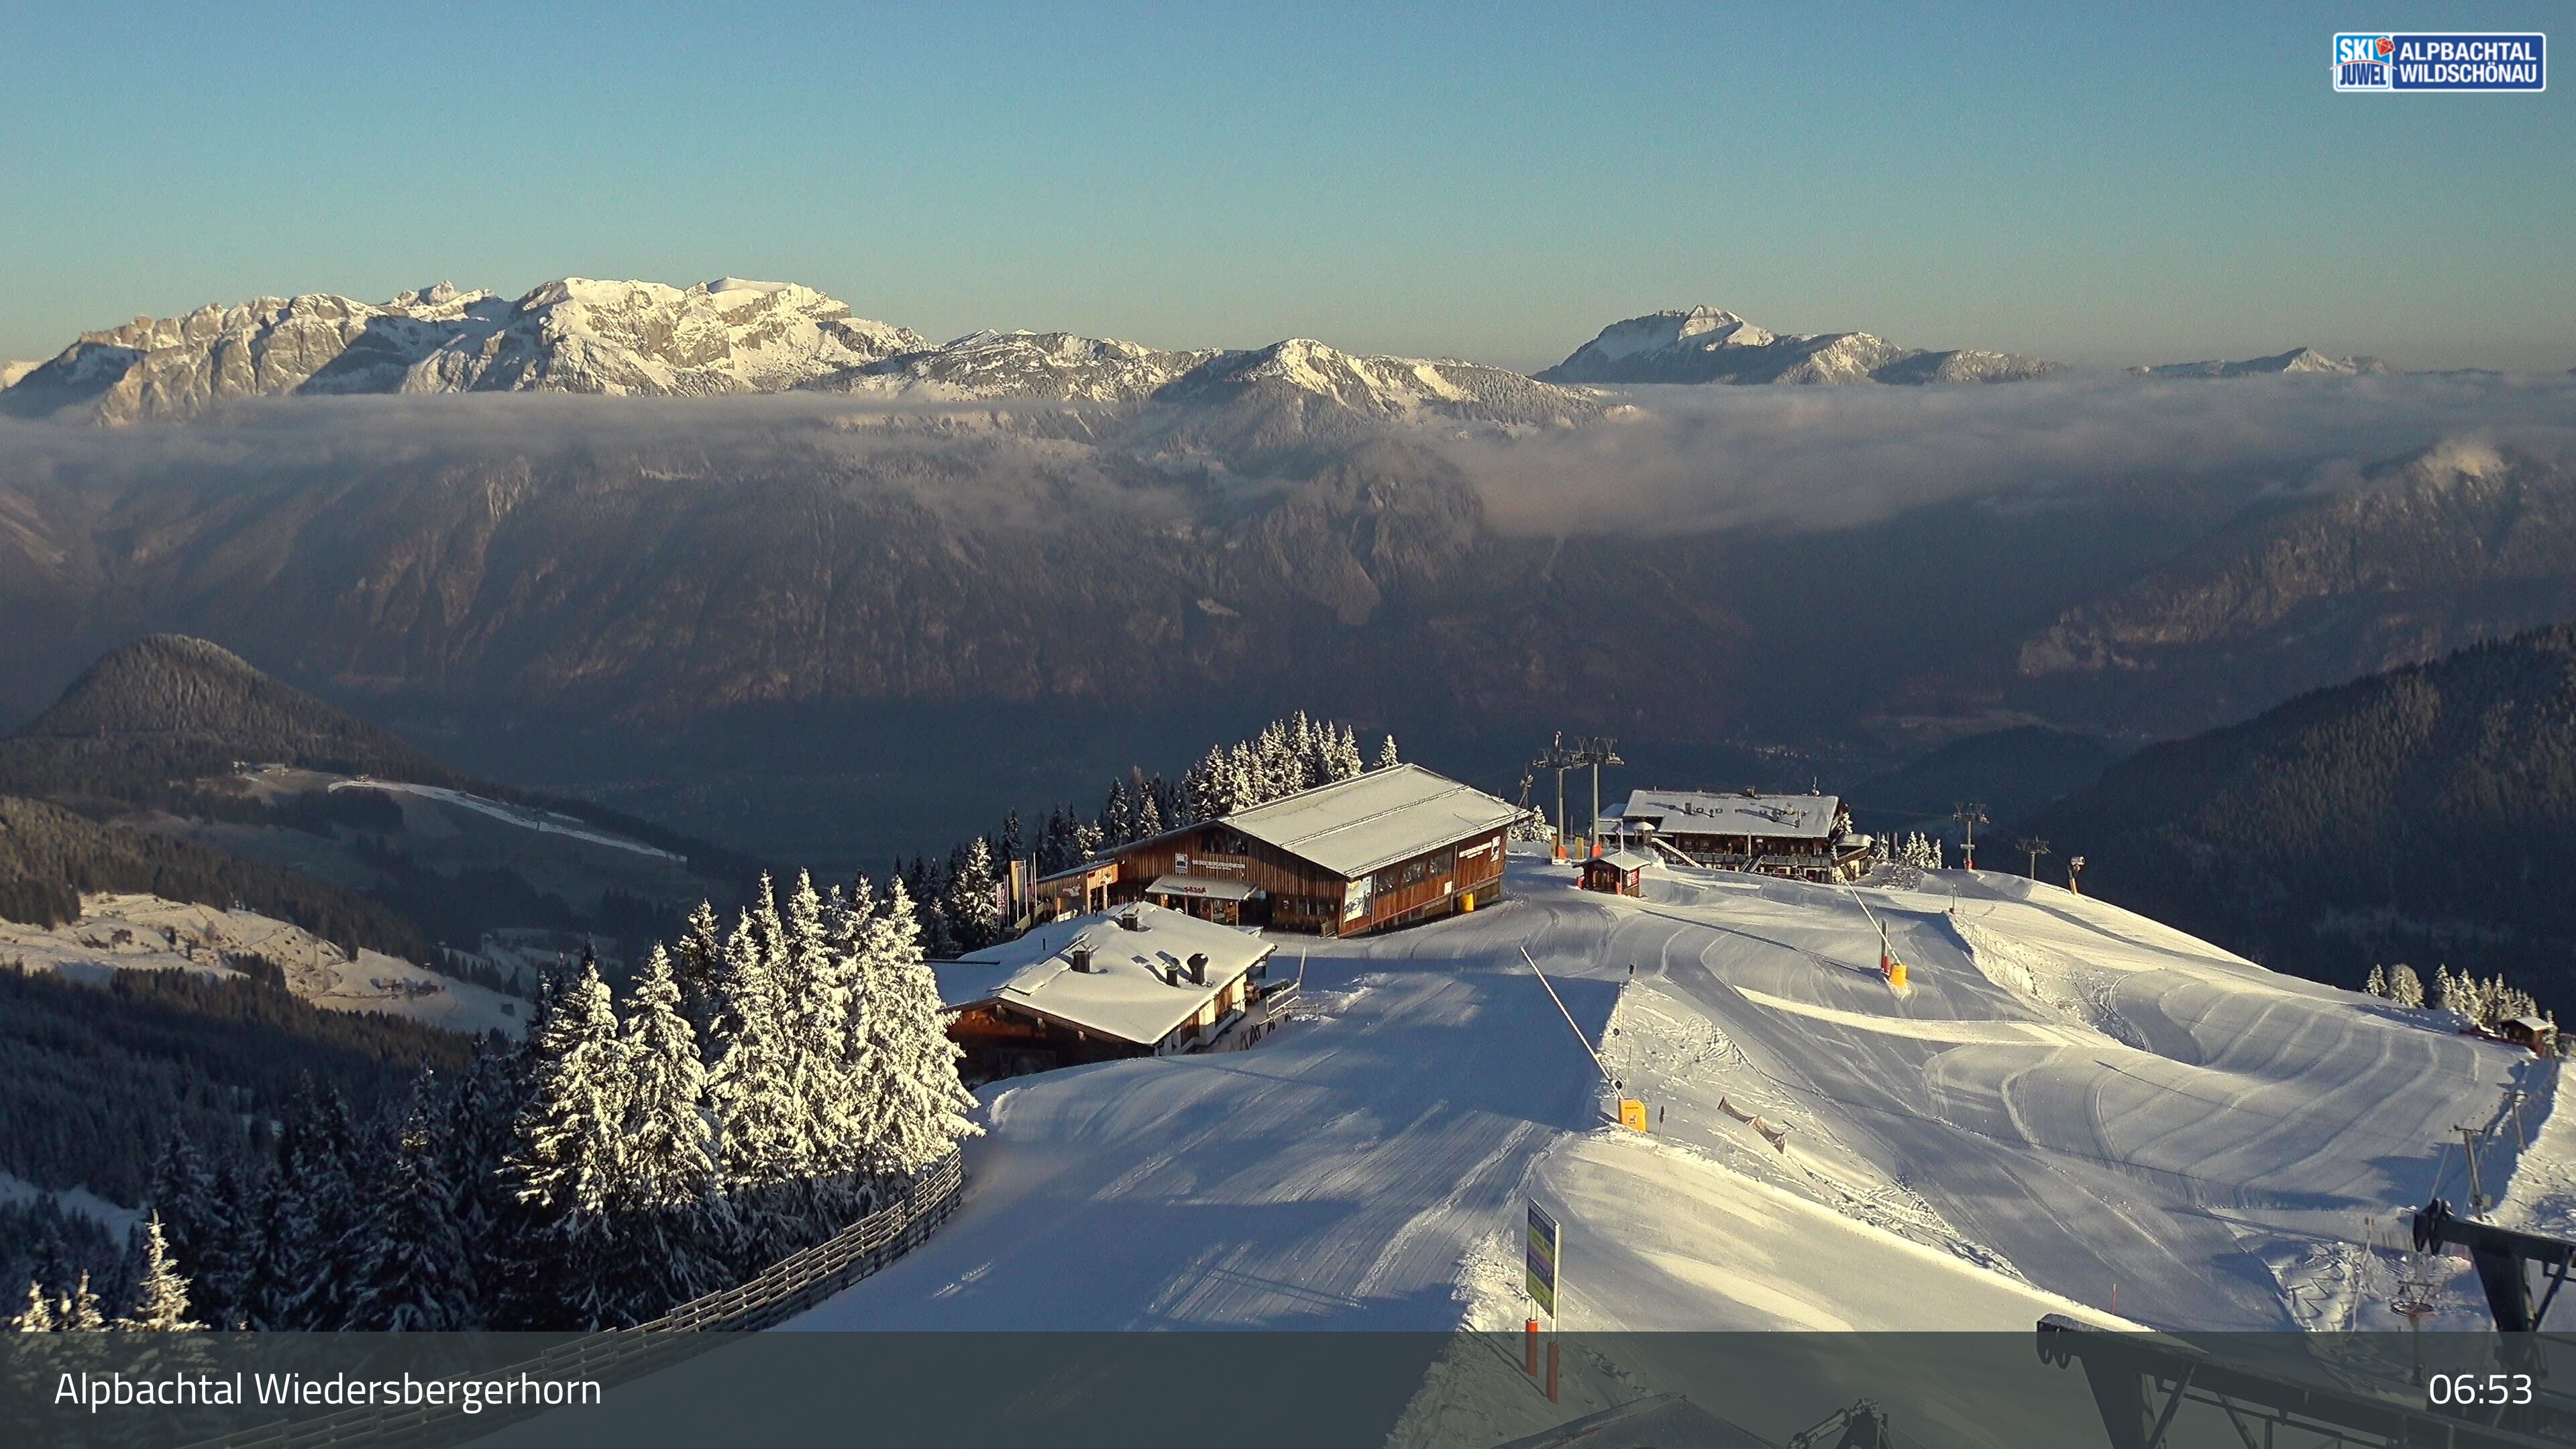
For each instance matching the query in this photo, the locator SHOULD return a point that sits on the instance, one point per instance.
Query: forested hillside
(49, 857)
(93, 1080)
(2427, 814)
(146, 721)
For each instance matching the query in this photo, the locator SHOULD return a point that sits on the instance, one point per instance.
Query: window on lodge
(1224, 842)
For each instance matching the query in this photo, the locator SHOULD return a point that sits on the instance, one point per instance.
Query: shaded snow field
(146, 933)
(2073, 1109)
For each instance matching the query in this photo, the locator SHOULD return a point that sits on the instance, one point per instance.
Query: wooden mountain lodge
(1800, 837)
(1141, 981)
(1382, 849)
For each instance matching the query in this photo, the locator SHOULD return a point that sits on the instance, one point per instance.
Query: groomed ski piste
(2070, 1109)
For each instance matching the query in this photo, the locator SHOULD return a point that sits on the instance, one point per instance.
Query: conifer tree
(2404, 987)
(1118, 815)
(921, 1107)
(974, 921)
(1386, 756)
(1149, 809)
(161, 1295)
(699, 962)
(2377, 985)
(567, 1161)
(413, 1275)
(672, 1245)
(752, 1082)
(195, 1214)
(79, 1311)
(38, 1314)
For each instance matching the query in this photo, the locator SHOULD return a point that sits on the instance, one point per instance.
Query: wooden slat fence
(780, 1292)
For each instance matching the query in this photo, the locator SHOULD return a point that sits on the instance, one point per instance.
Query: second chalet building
(1384, 848)
(1803, 837)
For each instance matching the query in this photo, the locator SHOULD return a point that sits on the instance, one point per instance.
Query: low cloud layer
(1689, 459)
(1676, 460)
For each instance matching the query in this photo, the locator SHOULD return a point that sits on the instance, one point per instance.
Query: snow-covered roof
(1129, 992)
(1373, 819)
(1691, 812)
(1625, 860)
(1204, 887)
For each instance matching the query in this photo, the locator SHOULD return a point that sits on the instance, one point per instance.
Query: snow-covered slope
(146, 933)
(1055, 366)
(2297, 359)
(2072, 1103)
(573, 335)
(1704, 344)
(10, 372)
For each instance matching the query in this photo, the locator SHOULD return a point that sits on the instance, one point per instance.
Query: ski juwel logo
(2460, 61)
(2361, 61)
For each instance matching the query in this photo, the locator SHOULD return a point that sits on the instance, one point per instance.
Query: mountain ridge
(1708, 345)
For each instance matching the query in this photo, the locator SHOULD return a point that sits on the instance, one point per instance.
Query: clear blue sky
(1495, 181)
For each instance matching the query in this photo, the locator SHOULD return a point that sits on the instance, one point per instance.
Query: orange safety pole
(1533, 1348)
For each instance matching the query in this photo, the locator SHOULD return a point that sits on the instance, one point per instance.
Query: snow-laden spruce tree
(1386, 756)
(309, 1215)
(413, 1275)
(667, 1180)
(79, 1311)
(196, 1214)
(2404, 987)
(566, 1166)
(2377, 984)
(751, 1083)
(813, 994)
(1149, 809)
(1118, 814)
(161, 1293)
(38, 1314)
(919, 1106)
(698, 965)
(974, 920)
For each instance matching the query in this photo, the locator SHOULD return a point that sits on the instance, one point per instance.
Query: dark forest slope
(168, 709)
(2427, 814)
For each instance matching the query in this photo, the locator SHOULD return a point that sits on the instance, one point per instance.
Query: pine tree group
(756, 1090)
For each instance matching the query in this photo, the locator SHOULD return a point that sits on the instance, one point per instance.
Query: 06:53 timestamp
(2467, 1389)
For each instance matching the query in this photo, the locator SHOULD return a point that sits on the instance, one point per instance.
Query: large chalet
(1381, 849)
(1801, 837)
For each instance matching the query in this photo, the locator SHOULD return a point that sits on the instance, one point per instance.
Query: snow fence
(786, 1288)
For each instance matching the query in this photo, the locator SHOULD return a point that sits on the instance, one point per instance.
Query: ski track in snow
(2071, 1105)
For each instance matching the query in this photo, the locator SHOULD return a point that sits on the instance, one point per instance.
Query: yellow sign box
(1632, 1113)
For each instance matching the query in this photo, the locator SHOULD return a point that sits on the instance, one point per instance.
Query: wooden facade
(1006, 1039)
(1293, 894)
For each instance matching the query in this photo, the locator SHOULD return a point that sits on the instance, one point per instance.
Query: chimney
(1080, 959)
(1198, 968)
(1132, 919)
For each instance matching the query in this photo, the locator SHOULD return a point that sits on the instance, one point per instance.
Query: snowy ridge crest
(1707, 345)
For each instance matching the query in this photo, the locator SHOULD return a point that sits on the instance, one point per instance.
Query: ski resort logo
(2458, 61)
(2361, 61)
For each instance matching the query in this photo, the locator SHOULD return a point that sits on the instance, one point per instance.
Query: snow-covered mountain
(648, 339)
(10, 372)
(573, 335)
(1708, 345)
(2297, 359)
(1056, 366)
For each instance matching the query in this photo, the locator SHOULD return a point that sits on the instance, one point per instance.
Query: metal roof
(1129, 992)
(1624, 860)
(1773, 817)
(1373, 819)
